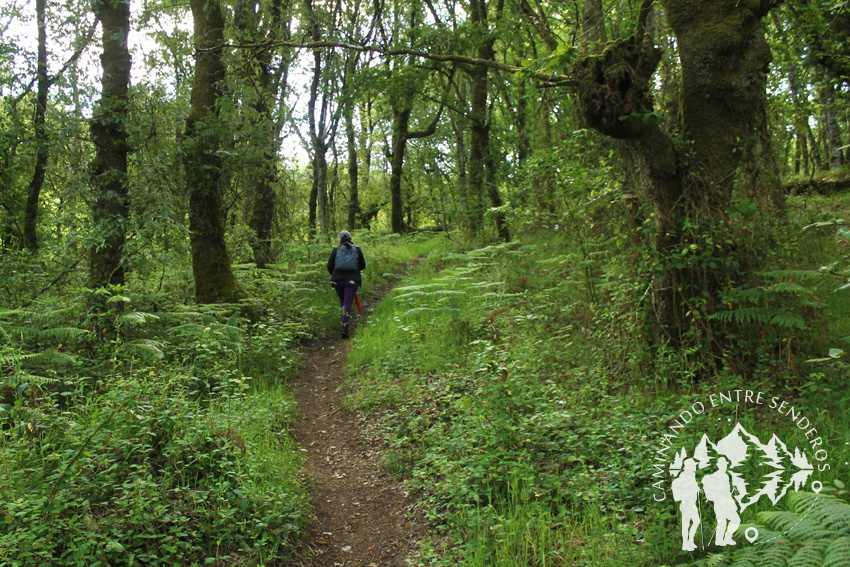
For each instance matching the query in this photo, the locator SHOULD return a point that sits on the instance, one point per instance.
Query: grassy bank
(515, 392)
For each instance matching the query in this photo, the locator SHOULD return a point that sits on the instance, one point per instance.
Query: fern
(813, 532)
(418, 287)
(838, 553)
(423, 309)
(789, 287)
(784, 521)
(136, 318)
(810, 555)
(60, 334)
(743, 315)
(53, 358)
(146, 349)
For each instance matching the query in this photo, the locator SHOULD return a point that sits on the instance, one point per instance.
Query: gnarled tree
(687, 181)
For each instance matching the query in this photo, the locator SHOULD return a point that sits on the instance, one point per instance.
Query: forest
(607, 252)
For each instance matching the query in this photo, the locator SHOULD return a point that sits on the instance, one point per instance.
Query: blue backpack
(346, 257)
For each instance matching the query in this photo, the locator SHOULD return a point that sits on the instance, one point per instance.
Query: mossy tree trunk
(482, 176)
(401, 121)
(214, 278)
(110, 205)
(687, 183)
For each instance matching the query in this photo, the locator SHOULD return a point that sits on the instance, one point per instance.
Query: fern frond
(62, 333)
(789, 287)
(796, 274)
(410, 294)
(828, 511)
(445, 292)
(422, 309)
(715, 560)
(784, 521)
(838, 553)
(776, 555)
(811, 554)
(146, 349)
(417, 287)
(744, 562)
(136, 318)
(743, 315)
(788, 320)
(53, 358)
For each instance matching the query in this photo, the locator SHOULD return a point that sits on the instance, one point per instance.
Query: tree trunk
(30, 240)
(724, 59)
(593, 22)
(482, 177)
(401, 120)
(831, 127)
(321, 179)
(353, 196)
(311, 205)
(110, 206)
(318, 132)
(250, 19)
(214, 278)
(264, 176)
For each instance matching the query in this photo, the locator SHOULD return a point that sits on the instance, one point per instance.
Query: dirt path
(361, 512)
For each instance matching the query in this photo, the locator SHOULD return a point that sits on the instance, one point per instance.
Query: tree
(214, 278)
(724, 59)
(30, 240)
(109, 203)
(322, 117)
(481, 165)
(256, 23)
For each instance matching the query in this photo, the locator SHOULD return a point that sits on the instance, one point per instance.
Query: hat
(345, 236)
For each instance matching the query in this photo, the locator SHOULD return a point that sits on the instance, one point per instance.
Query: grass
(511, 388)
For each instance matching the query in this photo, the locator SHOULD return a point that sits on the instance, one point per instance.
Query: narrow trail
(361, 512)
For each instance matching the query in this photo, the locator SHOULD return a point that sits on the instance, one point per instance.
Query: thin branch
(552, 79)
(51, 284)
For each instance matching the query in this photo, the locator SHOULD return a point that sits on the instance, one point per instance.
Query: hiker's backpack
(346, 257)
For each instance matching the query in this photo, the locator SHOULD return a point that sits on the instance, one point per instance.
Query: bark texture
(724, 59)
(482, 175)
(110, 205)
(214, 278)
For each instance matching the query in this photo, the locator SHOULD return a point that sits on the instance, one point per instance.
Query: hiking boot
(343, 330)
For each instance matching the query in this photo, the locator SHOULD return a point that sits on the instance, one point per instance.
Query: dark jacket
(346, 275)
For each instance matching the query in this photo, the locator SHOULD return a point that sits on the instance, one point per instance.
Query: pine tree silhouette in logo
(711, 471)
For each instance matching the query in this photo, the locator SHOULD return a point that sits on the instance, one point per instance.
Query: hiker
(344, 265)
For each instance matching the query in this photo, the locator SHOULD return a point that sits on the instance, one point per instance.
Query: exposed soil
(362, 515)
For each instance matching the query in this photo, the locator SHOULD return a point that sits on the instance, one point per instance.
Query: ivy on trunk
(214, 278)
(687, 181)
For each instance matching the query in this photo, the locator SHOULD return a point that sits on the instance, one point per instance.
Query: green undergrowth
(513, 391)
(156, 432)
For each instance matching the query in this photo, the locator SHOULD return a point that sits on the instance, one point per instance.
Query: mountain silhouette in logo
(744, 451)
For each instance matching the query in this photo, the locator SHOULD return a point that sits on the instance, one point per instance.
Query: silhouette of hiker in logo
(718, 489)
(686, 490)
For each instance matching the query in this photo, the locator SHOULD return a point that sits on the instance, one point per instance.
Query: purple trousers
(346, 290)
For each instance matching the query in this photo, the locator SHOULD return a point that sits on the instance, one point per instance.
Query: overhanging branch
(549, 79)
